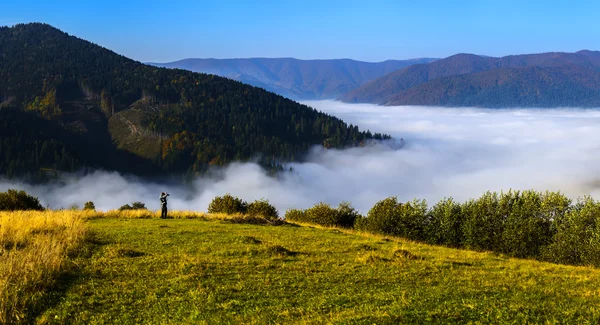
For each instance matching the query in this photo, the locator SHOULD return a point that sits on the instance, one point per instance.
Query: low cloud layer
(447, 152)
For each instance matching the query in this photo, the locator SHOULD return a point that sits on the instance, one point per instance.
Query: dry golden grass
(34, 249)
(183, 214)
(147, 214)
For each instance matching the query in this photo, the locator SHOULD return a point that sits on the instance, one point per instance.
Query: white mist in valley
(447, 152)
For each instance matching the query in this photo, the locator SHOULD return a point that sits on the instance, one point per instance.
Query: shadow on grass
(73, 274)
(255, 220)
(278, 250)
(289, 224)
(251, 240)
(378, 320)
(126, 252)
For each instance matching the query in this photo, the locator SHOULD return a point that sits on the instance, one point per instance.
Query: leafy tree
(262, 208)
(390, 217)
(484, 221)
(344, 216)
(125, 207)
(446, 223)
(47, 106)
(528, 228)
(295, 215)
(12, 200)
(577, 240)
(89, 205)
(227, 204)
(138, 206)
(134, 206)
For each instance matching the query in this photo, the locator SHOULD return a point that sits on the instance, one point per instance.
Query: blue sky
(373, 30)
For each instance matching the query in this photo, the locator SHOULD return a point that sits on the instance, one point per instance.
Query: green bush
(89, 205)
(519, 224)
(577, 240)
(347, 215)
(227, 204)
(382, 218)
(134, 206)
(138, 206)
(323, 214)
(389, 217)
(126, 207)
(525, 224)
(295, 215)
(484, 221)
(528, 228)
(262, 208)
(446, 224)
(12, 200)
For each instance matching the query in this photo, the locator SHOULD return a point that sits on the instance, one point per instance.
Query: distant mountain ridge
(545, 79)
(295, 78)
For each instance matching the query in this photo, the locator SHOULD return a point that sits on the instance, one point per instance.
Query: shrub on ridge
(323, 214)
(227, 204)
(262, 208)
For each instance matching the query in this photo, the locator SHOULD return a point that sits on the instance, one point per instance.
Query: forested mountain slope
(99, 109)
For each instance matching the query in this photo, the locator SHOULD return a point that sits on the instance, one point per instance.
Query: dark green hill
(108, 111)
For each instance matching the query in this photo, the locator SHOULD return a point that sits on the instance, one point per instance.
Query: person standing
(163, 203)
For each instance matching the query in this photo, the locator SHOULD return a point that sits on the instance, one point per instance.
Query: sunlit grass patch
(205, 268)
(34, 249)
(149, 214)
(182, 214)
(209, 271)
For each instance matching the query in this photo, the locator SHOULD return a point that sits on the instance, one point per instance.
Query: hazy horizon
(289, 58)
(371, 31)
(457, 152)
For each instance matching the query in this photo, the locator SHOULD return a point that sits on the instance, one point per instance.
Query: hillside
(530, 86)
(458, 79)
(296, 79)
(95, 108)
(206, 270)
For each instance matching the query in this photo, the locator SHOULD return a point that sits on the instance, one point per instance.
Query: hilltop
(532, 80)
(205, 270)
(91, 107)
(294, 78)
(244, 263)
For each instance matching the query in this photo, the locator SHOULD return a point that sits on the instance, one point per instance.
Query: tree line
(546, 226)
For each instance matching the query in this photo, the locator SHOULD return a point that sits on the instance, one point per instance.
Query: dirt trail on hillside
(132, 127)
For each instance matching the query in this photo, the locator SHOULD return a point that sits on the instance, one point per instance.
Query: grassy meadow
(129, 267)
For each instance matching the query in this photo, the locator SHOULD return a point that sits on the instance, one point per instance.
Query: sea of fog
(447, 152)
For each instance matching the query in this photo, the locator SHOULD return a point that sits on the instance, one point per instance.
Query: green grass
(177, 271)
